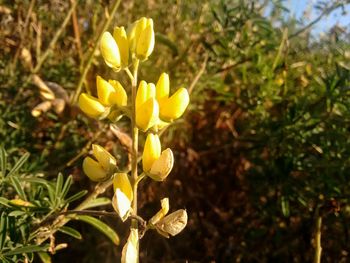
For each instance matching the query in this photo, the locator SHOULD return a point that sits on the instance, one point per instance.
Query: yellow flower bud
(141, 38)
(162, 166)
(94, 170)
(162, 212)
(105, 159)
(163, 87)
(91, 106)
(110, 93)
(101, 169)
(123, 195)
(121, 39)
(173, 107)
(147, 109)
(110, 51)
(151, 151)
(130, 250)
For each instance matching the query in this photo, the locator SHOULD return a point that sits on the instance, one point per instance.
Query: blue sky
(298, 7)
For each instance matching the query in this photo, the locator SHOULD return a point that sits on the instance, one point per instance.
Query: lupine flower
(101, 168)
(172, 224)
(170, 108)
(91, 106)
(141, 38)
(147, 109)
(123, 195)
(110, 51)
(157, 164)
(110, 93)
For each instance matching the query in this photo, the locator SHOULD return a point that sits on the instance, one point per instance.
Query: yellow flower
(110, 51)
(115, 49)
(147, 109)
(123, 195)
(155, 163)
(91, 106)
(130, 252)
(162, 166)
(101, 169)
(141, 38)
(111, 93)
(151, 151)
(172, 107)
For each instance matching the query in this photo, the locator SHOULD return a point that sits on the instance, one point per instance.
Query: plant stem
(135, 135)
(318, 249)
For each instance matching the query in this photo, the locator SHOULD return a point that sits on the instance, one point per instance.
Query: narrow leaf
(96, 202)
(26, 249)
(70, 231)
(98, 224)
(3, 229)
(45, 257)
(76, 196)
(3, 161)
(59, 184)
(19, 164)
(17, 185)
(66, 186)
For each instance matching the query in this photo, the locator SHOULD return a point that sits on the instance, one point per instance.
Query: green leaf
(96, 202)
(76, 196)
(3, 161)
(17, 185)
(59, 184)
(45, 257)
(66, 186)
(19, 164)
(17, 213)
(98, 224)
(70, 231)
(3, 229)
(4, 202)
(26, 249)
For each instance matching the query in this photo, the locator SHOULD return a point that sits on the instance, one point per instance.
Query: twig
(318, 249)
(199, 74)
(91, 56)
(76, 31)
(54, 39)
(326, 11)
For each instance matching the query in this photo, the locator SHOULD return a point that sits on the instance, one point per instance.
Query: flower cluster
(151, 109)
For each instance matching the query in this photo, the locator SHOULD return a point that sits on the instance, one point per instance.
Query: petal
(163, 86)
(134, 33)
(121, 204)
(104, 91)
(110, 51)
(105, 159)
(121, 39)
(119, 96)
(162, 212)
(94, 170)
(151, 151)
(90, 106)
(145, 43)
(141, 94)
(162, 166)
(175, 106)
(147, 114)
(130, 250)
(121, 181)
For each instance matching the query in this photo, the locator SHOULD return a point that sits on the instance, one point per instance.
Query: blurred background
(263, 149)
